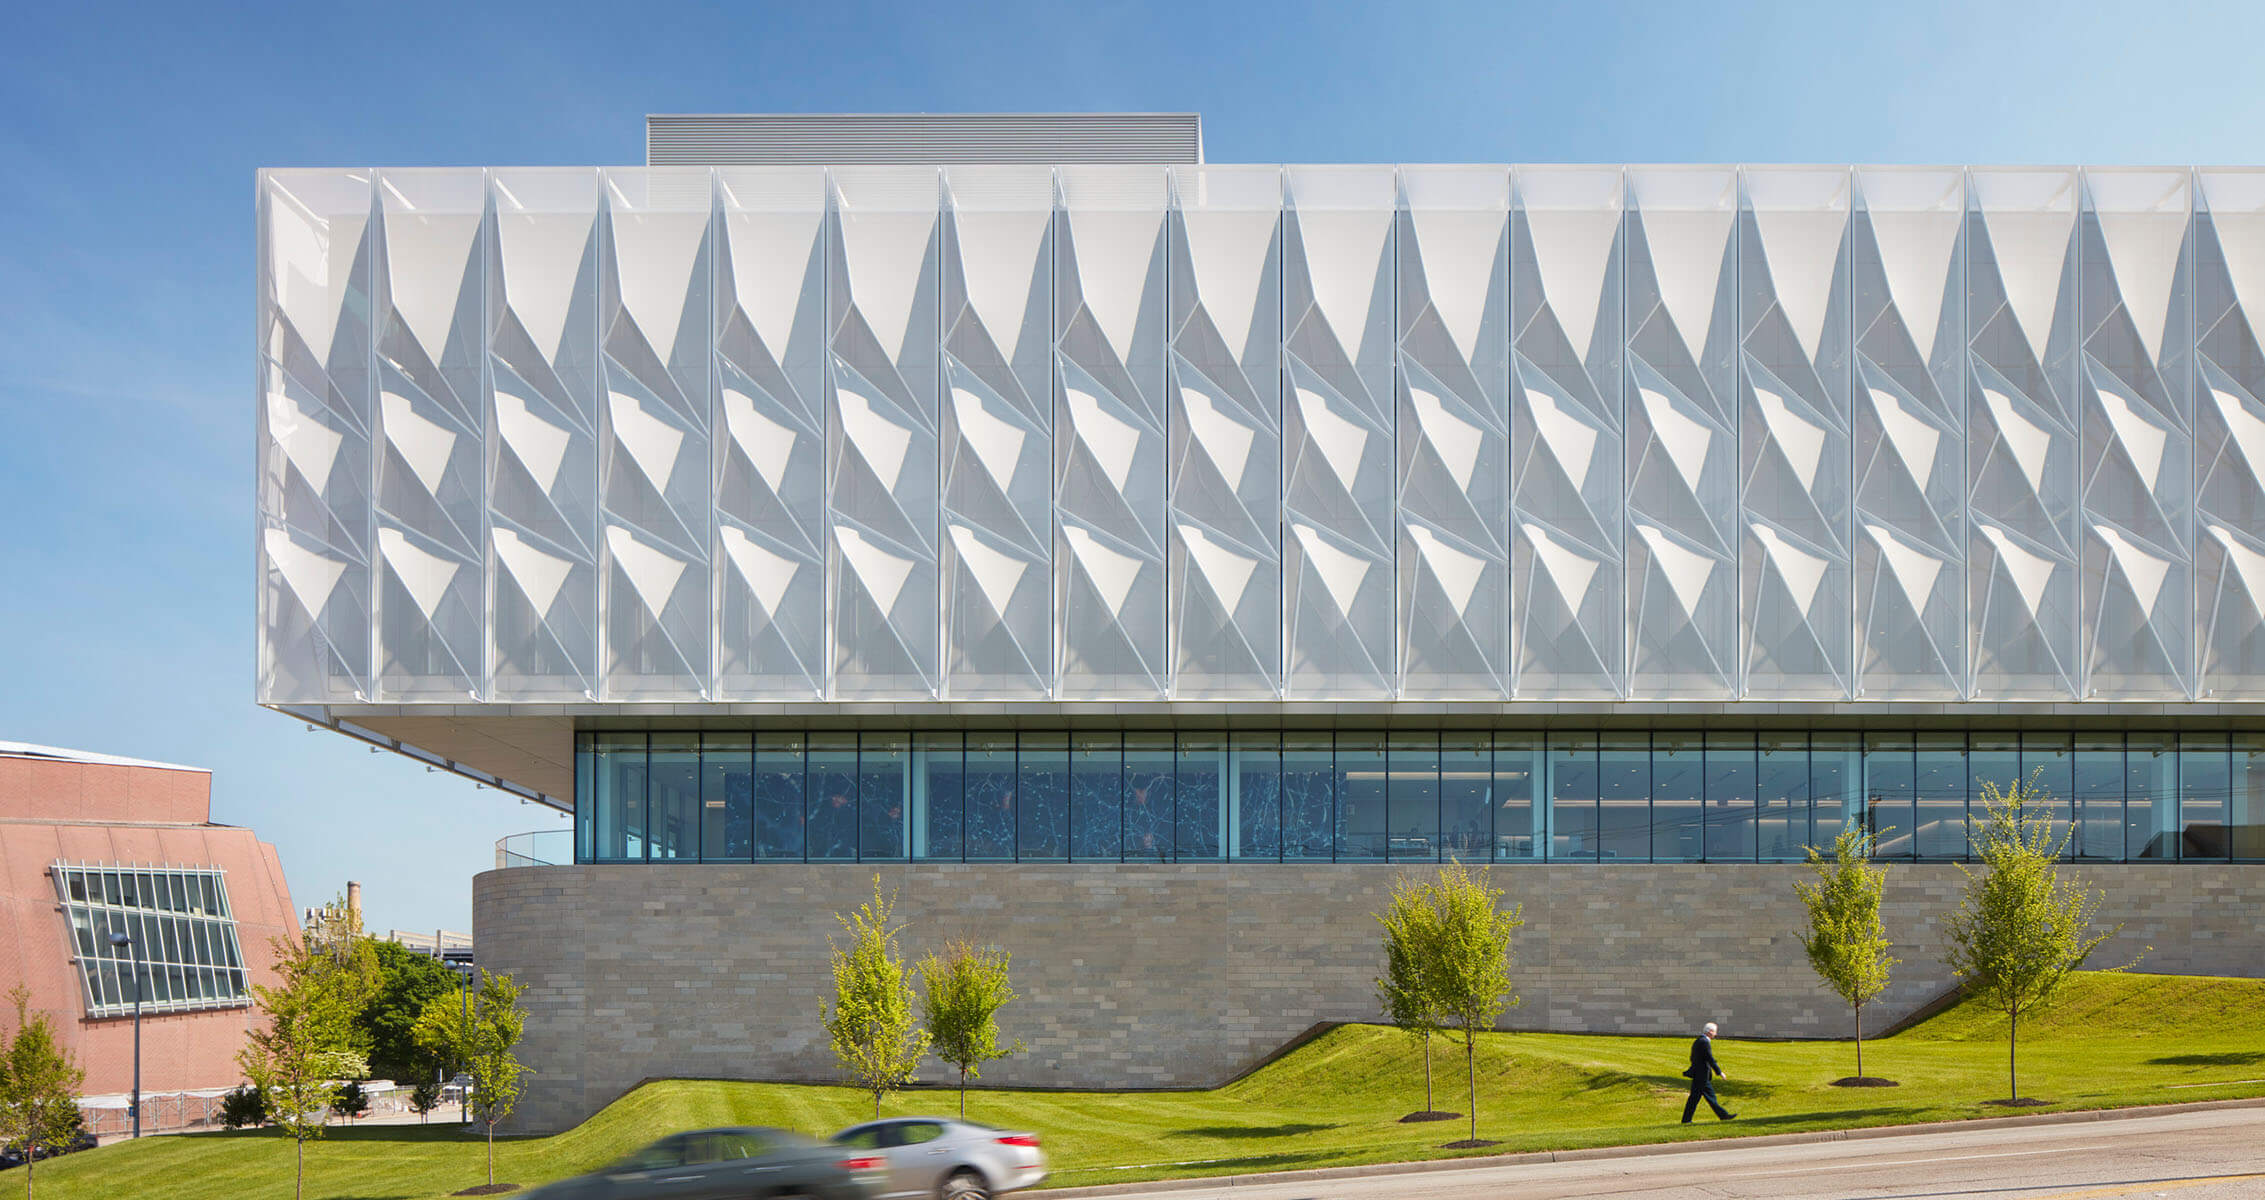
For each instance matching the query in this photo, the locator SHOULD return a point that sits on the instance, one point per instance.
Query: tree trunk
(2012, 1043)
(1427, 1105)
(299, 1170)
(1471, 1073)
(1859, 1039)
(876, 1104)
(491, 1153)
(29, 1164)
(963, 1093)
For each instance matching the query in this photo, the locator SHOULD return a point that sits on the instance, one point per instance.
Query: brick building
(93, 844)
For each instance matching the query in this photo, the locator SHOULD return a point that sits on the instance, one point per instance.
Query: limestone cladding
(1184, 975)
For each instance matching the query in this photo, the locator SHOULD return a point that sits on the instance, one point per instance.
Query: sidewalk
(1642, 1149)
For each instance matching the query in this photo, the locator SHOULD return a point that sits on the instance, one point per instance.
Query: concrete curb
(1646, 1149)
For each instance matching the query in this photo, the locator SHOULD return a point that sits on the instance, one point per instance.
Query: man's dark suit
(1702, 1071)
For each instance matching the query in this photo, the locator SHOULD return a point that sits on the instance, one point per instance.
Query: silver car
(946, 1159)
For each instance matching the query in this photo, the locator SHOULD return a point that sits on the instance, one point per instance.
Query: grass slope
(2113, 1040)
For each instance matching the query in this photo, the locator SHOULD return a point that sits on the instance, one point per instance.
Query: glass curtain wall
(1362, 796)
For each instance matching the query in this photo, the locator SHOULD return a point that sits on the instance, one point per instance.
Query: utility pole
(135, 952)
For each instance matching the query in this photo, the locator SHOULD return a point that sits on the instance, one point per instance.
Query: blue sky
(131, 134)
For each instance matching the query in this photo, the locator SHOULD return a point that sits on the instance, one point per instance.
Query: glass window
(913, 1133)
(990, 797)
(1198, 807)
(585, 798)
(2245, 820)
(619, 802)
(831, 824)
(727, 797)
(2205, 781)
(779, 799)
(884, 789)
(1255, 795)
(1939, 794)
(1781, 785)
(1412, 797)
(1148, 797)
(1097, 789)
(1361, 798)
(1573, 796)
(1042, 797)
(1835, 784)
(1995, 761)
(939, 816)
(2048, 762)
(1466, 796)
(2099, 797)
(170, 965)
(2150, 815)
(672, 805)
(1309, 797)
(1679, 783)
(1890, 784)
(1730, 797)
(1624, 796)
(1518, 773)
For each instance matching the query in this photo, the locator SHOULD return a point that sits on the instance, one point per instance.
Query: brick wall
(1184, 975)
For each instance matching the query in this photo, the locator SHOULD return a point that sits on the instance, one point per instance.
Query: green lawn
(2113, 1040)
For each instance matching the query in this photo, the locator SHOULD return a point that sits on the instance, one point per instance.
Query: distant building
(447, 945)
(91, 845)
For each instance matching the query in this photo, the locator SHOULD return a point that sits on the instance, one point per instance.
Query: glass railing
(538, 848)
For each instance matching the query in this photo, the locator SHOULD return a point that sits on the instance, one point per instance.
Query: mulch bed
(1471, 1144)
(2018, 1102)
(1430, 1114)
(1864, 1081)
(488, 1189)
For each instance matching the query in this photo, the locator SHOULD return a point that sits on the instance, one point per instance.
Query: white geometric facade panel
(317, 418)
(1796, 564)
(1568, 502)
(1682, 412)
(431, 282)
(1338, 474)
(885, 366)
(1256, 433)
(1226, 410)
(1453, 417)
(2023, 516)
(769, 414)
(656, 494)
(997, 422)
(1110, 427)
(542, 454)
(2229, 433)
(1908, 413)
(2137, 450)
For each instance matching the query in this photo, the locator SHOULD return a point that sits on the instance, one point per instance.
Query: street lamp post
(135, 953)
(464, 1015)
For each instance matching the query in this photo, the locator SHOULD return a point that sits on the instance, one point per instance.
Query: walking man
(1702, 1071)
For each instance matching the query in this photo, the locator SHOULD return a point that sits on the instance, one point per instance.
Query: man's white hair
(1710, 1029)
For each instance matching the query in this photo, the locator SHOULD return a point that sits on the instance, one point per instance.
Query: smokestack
(353, 903)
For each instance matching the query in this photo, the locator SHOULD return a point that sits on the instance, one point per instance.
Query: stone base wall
(1184, 975)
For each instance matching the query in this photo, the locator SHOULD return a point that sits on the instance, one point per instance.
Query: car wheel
(964, 1185)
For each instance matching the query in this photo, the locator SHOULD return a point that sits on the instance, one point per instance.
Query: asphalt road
(2211, 1155)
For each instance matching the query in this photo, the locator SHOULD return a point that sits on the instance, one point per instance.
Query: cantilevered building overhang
(814, 445)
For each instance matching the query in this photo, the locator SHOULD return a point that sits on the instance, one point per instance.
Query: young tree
(871, 1023)
(352, 1101)
(356, 971)
(962, 993)
(39, 1083)
(305, 1045)
(1469, 963)
(483, 1037)
(244, 1107)
(1411, 923)
(424, 1098)
(1847, 942)
(2020, 930)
